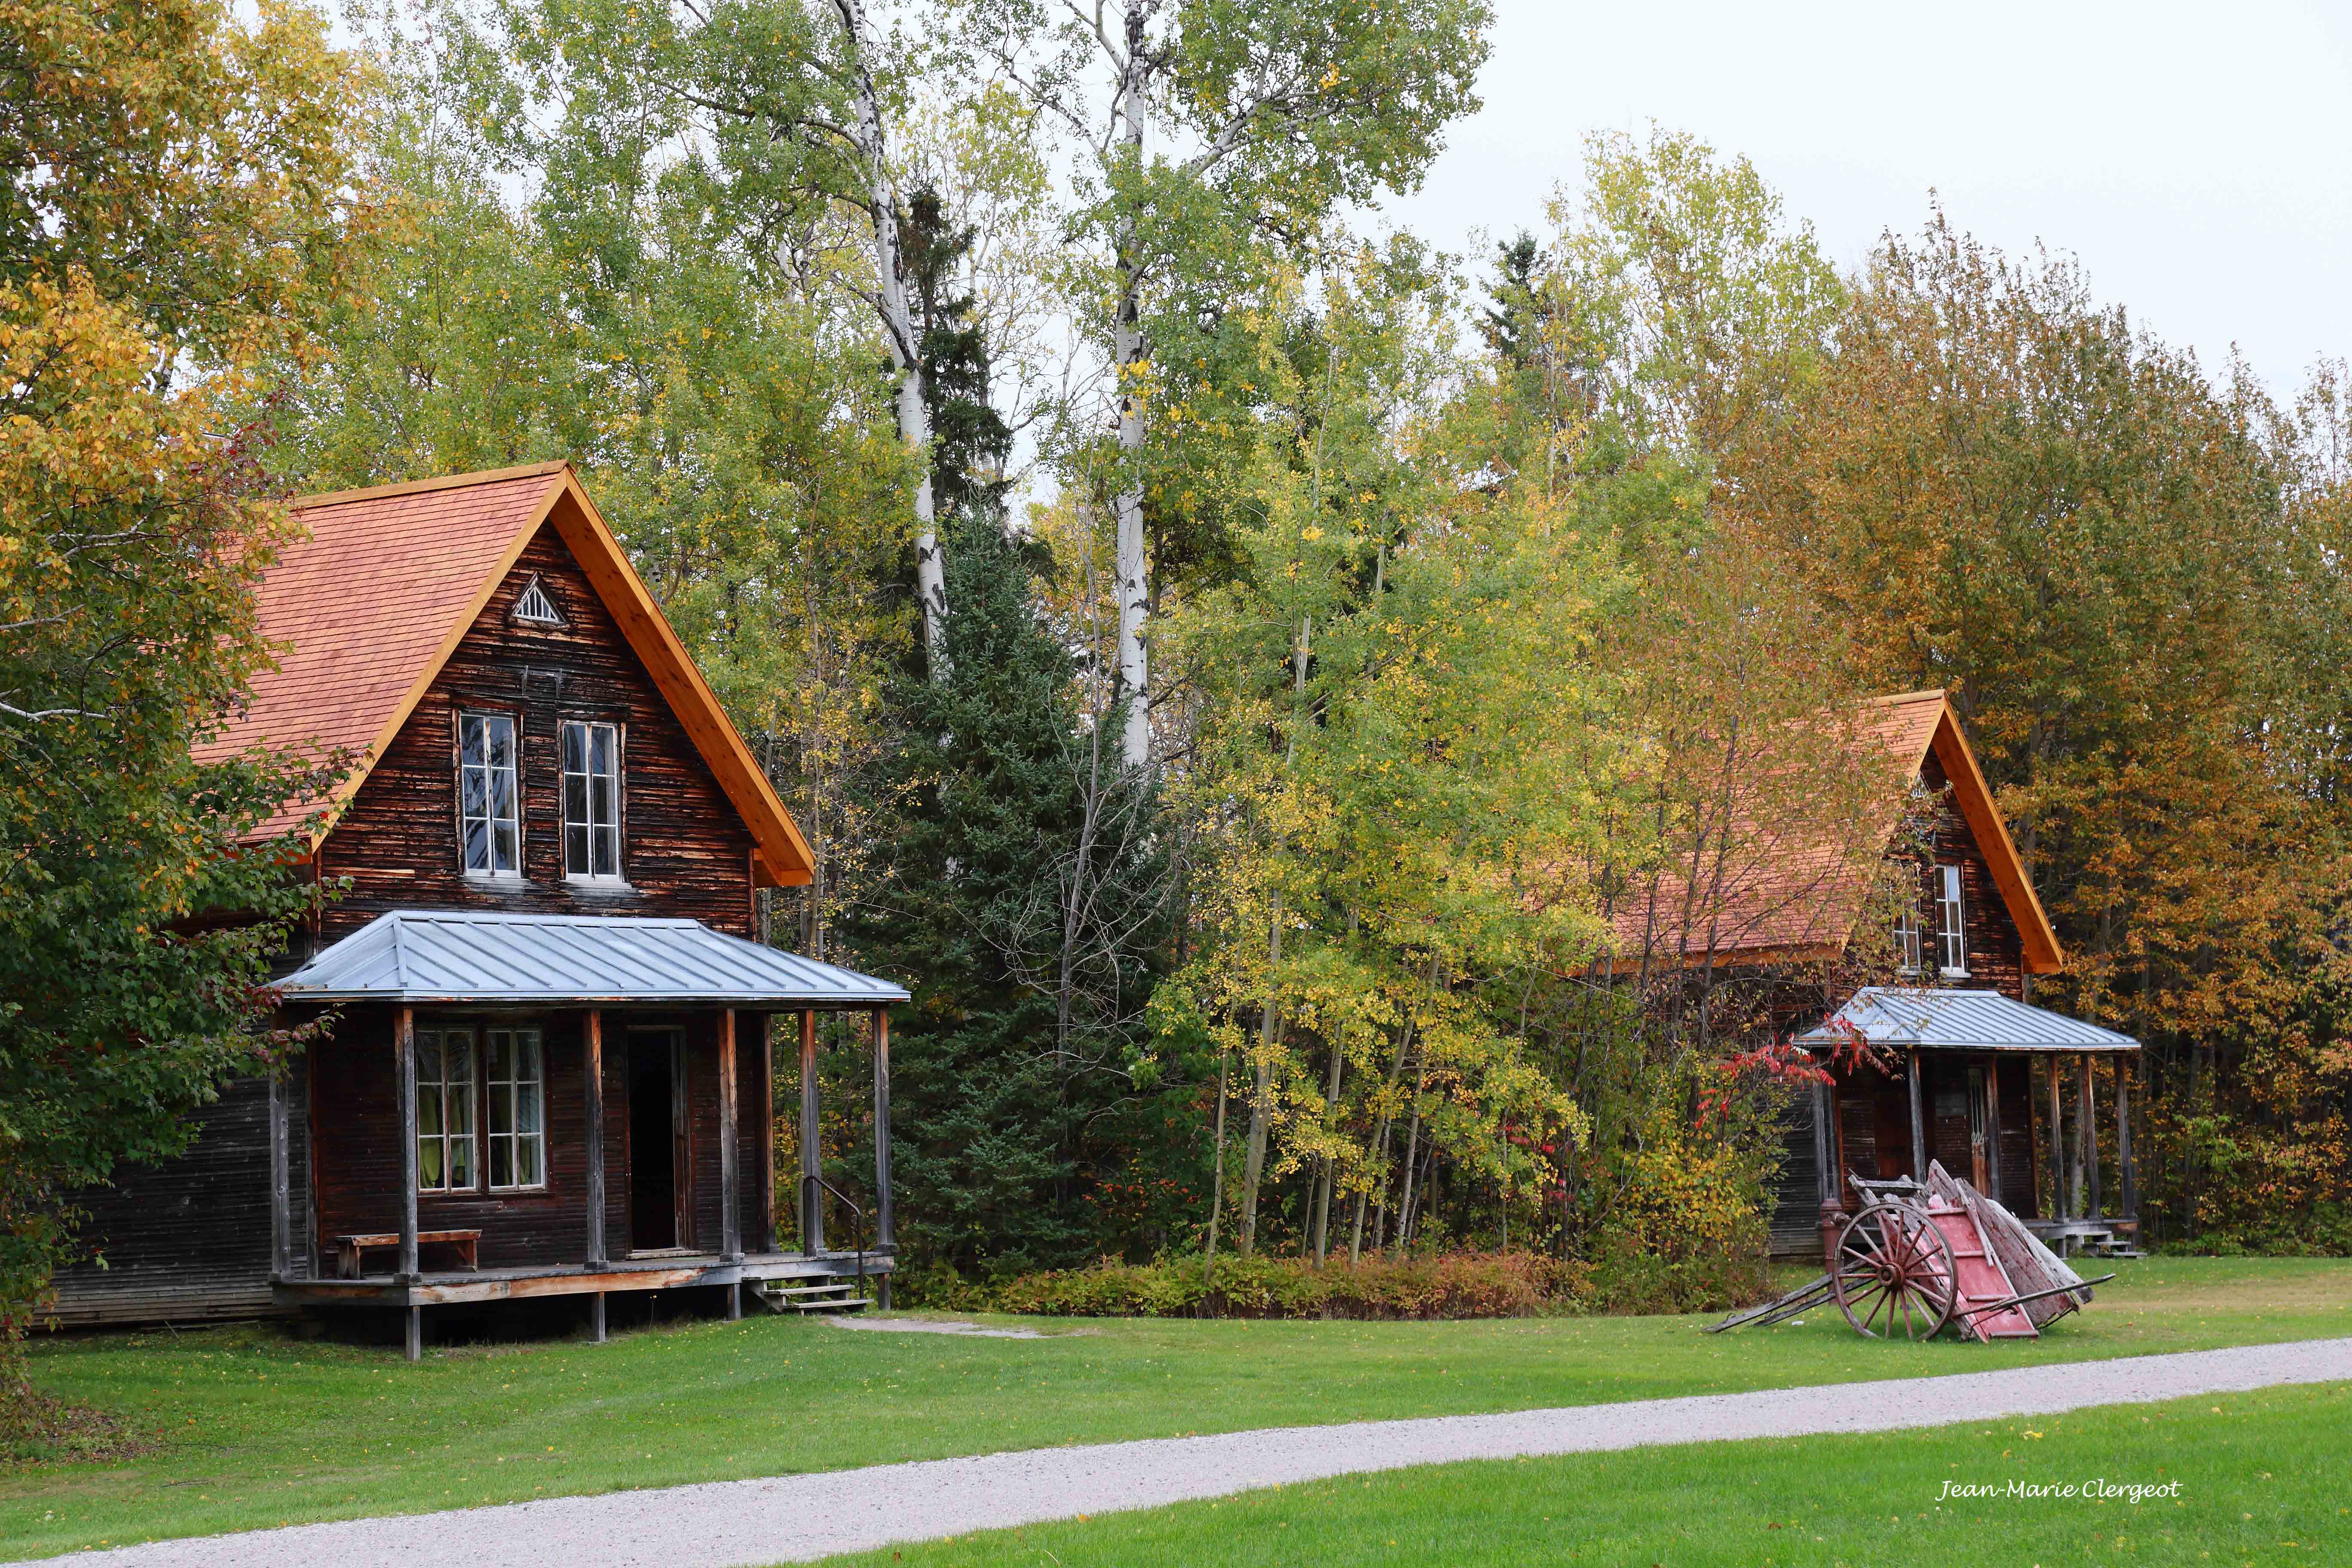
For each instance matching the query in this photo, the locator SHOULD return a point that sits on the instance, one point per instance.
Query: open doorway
(656, 1140)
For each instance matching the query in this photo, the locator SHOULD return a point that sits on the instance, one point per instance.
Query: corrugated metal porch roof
(1900, 1018)
(463, 955)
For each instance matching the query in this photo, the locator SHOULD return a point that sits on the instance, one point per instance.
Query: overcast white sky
(2197, 158)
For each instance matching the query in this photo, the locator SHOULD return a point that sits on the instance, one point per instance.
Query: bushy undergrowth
(1446, 1286)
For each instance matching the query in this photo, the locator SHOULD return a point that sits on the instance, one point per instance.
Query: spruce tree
(1009, 1102)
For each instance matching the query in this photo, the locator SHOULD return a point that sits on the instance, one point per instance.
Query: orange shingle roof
(370, 603)
(364, 608)
(1791, 888)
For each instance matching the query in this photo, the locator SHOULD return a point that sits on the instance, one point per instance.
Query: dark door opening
(654, 1123)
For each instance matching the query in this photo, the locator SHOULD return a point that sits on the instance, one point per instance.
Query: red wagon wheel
(1893, 1269)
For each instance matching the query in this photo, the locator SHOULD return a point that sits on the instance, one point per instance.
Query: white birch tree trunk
(898, 334)
(1132, 355)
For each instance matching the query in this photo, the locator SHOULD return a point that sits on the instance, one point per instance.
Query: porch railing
(820, 1186)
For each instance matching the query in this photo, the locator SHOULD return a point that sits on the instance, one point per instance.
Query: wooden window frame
(514, 1138)
(1951, 924)
(513, 721)
(437, 1088)
(618, 876)
(478, 1032)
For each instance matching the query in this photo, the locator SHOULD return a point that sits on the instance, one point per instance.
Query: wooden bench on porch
(348, 1249)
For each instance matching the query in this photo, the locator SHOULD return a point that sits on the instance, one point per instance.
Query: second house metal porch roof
(465, 955)
(1907, 1018)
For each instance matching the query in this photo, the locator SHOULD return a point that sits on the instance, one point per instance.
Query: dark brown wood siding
(355, 1127)
(2017, 1135)
(1996, 951)
(189, 1238)
(684, 849)
(359, 1155)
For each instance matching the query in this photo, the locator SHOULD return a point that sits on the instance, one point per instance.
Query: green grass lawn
(251, 1427)
(2263, 1480)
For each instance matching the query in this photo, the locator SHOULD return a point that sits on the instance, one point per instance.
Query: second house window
(592, 800)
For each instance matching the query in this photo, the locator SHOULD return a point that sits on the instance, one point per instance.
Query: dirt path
(720, 1524)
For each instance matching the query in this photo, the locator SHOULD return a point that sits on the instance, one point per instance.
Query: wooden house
(1972, 1067)
(551, 1067)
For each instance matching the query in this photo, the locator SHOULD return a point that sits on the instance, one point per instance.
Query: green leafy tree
(188, 231)
(1203, 127)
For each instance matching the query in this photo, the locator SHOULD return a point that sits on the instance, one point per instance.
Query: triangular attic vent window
(533, 607)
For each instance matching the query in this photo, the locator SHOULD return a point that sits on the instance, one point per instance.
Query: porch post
(2086, 1138)
(403, 1048)
(2057, 1147)
(1829, 1214)
(2129, 1198)
(1825, 1187)
(404, 1072)
(812, 1166)
(591, 1053)
(1919, 1127)
(886, 1231)
(1993, 1128)
(730, 1217)
(281, 1203)
(767, 1161)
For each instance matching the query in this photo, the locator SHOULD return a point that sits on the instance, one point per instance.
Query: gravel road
(797, 1518)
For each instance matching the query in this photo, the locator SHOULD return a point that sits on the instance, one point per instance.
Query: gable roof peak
(357, 660)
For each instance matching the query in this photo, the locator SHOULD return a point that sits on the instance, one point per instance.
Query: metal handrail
(848, 1203)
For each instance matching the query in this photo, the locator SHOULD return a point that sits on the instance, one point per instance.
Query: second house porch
(1977, 1083)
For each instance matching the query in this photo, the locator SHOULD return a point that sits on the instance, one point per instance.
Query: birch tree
(1199, 126)
(914, 409)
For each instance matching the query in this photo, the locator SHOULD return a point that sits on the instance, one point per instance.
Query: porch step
(840, 1296)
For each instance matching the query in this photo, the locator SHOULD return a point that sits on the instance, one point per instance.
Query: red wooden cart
(1918, 1259)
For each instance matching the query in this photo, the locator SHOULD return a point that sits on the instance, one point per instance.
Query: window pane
(502, 839)
(499, 732)
(461, 1161)
(575, 748)
(470, 731)
(527, 1171)
(601, 750)
(428, 1163)
(501, 1163)
(608, 852)
(575, 798)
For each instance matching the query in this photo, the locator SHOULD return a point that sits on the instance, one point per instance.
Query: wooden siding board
(188, 1239)
(1996, 950)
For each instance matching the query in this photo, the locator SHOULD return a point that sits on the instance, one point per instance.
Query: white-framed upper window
(445, 1109)
(518, 1107)
(1906, 940)
(1952, 937)
(592, 800)
(488, 823)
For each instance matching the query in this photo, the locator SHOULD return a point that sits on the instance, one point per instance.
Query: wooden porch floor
(667, 1272)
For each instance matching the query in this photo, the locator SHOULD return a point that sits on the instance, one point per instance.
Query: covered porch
(518, 1107)
(1977, 1081)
